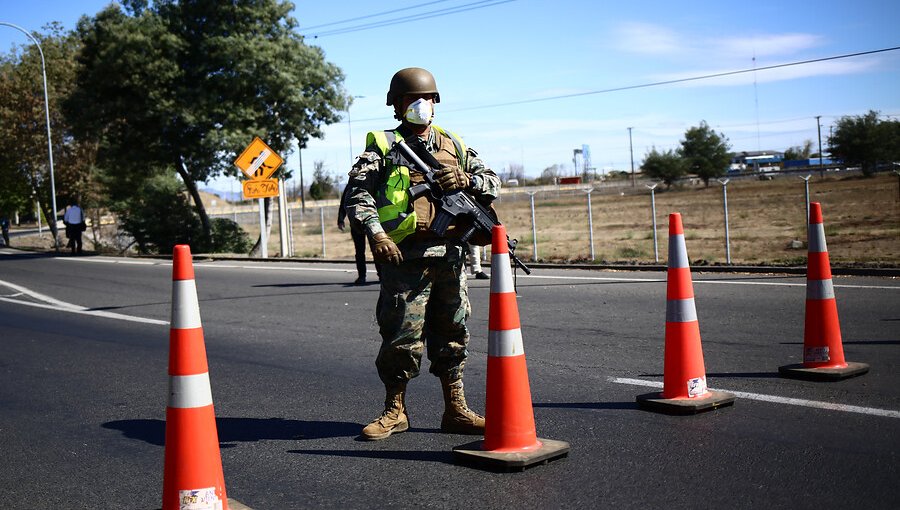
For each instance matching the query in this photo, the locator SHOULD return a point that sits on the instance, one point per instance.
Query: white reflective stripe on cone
(817, 238)
(681, 310)
(507, 342)
(819, 289)
(185, 308)
(189, 391)
(677, 251)
(501, 276)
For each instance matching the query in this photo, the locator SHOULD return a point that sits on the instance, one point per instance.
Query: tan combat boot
(393, 419)
(458, 418)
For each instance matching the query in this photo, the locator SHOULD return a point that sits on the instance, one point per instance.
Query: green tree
(24, 162)
(159, 216)
(866, 141)
(705, 152)
(183, 86)
(323, 185)
(666, 166)
(798, 152)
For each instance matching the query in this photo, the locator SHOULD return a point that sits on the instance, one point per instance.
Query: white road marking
(55, 304)
(723, 282)
(279, 267)
(831, 406)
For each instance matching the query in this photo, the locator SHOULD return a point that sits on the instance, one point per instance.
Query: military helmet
(412, 80)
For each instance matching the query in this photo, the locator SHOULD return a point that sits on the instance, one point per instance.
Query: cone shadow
(413, 455)
(233, 430)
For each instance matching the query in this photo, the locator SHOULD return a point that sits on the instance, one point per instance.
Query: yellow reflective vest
(395, 212)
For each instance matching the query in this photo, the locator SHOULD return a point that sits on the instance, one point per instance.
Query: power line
(425, 15)
(680, 80)
(375, 15)
(659, 83)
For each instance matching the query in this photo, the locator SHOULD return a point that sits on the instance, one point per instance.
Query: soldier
(423, 303)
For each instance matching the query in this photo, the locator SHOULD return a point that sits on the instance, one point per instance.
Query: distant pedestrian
(4, 225)
(359, 241)
(75, 225)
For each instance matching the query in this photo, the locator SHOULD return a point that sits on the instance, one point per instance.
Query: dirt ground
(766, 220)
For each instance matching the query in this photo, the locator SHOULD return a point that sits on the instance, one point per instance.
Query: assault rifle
(452, 206)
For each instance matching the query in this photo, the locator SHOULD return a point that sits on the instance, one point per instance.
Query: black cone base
(472, 454)
(656, 403)
(798, 371)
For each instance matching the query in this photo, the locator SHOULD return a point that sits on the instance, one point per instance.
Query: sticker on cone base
(199, 499)
(696, 387)
(816, 355)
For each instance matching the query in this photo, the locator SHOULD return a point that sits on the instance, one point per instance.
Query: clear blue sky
(490, 53)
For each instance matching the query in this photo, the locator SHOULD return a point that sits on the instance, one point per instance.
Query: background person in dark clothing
(359, 241)
(4, 225)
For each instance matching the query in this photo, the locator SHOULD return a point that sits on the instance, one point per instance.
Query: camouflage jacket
(366, 179)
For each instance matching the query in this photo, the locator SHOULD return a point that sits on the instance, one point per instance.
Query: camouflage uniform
(424, 300)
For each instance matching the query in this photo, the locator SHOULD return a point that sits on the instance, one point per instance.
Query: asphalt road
(291, 351)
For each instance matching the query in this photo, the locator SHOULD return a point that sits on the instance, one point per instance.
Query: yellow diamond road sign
(258, 161)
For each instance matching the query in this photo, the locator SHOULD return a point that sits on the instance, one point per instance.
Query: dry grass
(862, 223)
(862, 218)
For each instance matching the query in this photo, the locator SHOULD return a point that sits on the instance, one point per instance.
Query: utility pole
(631, 151)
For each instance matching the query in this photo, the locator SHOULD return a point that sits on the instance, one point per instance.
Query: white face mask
(420, 112)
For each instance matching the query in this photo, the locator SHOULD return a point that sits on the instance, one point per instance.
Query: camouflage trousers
(424, 303)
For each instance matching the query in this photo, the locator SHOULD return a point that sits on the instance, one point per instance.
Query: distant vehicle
(512, 182)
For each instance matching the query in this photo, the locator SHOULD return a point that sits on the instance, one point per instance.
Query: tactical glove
(452, 178)
(384, 249)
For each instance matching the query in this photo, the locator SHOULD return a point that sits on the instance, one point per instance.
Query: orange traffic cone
(684, 375)
(823, 351)
(193, 465)
(510, 440)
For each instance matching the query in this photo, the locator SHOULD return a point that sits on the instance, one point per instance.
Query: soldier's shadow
(233, 430)
(444, 457)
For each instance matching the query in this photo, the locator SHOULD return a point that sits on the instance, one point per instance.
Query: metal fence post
(806, 182)
(322, 219)
(727, 236)
(290, 219)
(534, 252)
(590, 220)
(653, 208)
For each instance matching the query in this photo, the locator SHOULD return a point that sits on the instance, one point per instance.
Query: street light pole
(631, 151)
(350, 126)
(49, 141)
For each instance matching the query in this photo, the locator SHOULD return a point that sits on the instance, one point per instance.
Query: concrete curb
(883, 272)
(789, 270)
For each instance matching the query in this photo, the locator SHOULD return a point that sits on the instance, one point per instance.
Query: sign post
(259, 162)
(284, 226)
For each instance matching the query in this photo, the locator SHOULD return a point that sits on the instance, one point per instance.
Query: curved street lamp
(49, 142)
